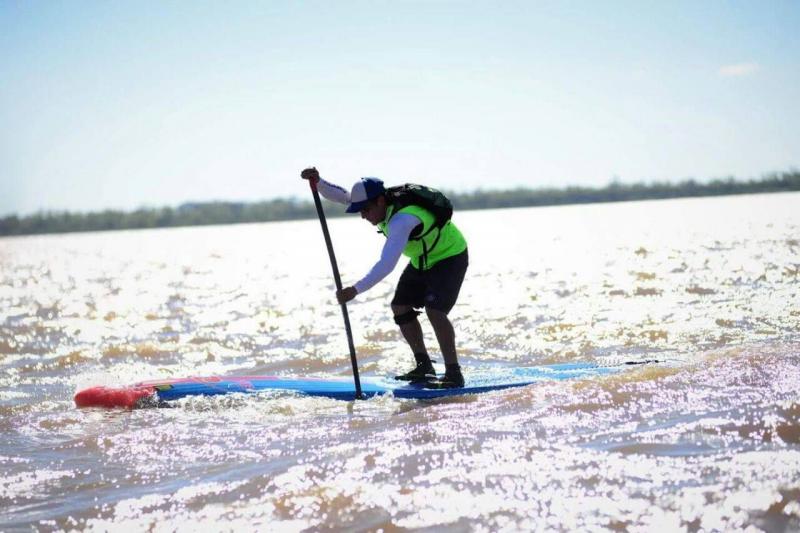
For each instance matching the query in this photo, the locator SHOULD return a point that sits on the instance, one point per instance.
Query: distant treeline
(206, 213)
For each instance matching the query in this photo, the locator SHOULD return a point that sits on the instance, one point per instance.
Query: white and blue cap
(363, 191)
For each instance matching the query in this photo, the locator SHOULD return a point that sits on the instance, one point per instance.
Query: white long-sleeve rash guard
(400, 227)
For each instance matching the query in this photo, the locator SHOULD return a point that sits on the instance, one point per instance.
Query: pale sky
(126, 104)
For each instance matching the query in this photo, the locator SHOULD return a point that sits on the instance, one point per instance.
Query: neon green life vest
(427, 247)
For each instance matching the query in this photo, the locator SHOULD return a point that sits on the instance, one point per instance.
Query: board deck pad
(477, 380)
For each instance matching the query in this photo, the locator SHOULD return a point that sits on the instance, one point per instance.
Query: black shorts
(436, 287)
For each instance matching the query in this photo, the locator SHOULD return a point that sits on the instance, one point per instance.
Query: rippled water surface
(708, 440)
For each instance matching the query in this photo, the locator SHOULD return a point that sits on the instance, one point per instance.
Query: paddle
(313, 184)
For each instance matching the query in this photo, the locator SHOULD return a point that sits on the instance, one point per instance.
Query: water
(709, 440)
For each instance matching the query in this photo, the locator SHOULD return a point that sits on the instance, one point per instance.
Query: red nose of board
(111, 397)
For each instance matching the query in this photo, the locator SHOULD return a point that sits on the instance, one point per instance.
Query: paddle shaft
(338, 280)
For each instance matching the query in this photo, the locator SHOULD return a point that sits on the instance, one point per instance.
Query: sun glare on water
(709, 439)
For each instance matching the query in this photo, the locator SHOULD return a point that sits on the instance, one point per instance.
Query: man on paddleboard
(438, 261)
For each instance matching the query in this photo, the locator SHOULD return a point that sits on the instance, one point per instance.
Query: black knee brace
(405, 318)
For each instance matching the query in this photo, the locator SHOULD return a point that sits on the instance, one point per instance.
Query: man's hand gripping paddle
(312, 176)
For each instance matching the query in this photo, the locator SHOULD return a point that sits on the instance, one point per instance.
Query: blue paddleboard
(478, 380)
